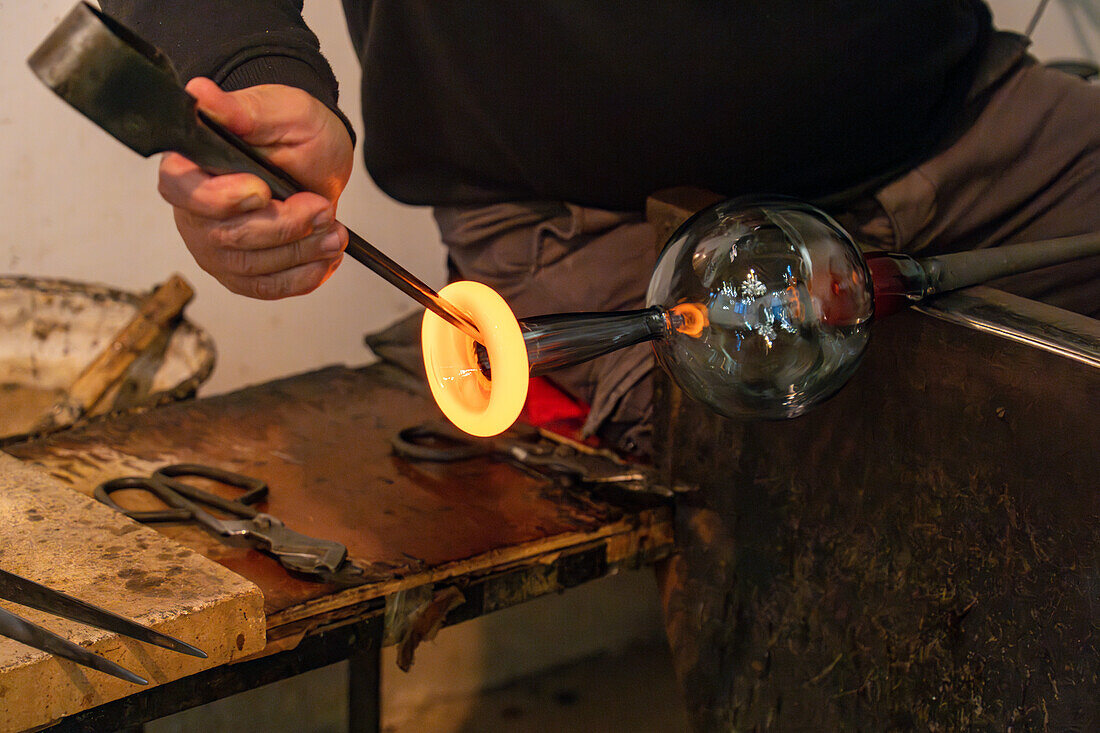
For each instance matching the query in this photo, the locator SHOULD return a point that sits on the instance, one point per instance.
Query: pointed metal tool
(129, 88)
(23, 631)
(26, 592)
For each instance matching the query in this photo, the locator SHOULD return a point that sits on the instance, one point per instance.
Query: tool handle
(218, 151)
(962, 269)
(255, 489)
(438, 442)
(154, 317)
(179, 509)
(90, 393)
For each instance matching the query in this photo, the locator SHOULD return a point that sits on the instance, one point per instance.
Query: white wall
(77, 204)
(1067, 29)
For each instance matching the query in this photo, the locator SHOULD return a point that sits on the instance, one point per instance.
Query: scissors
(18, 589)
(185, 503)
(539, 451)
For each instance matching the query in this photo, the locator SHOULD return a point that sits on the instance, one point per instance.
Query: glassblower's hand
(251, 243)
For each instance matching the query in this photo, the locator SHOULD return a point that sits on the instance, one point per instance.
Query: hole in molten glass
(473, 402)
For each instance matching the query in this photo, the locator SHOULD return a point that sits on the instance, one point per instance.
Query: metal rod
(396, 275)
(962, 269)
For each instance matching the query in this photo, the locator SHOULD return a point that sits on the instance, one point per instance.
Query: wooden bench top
(321, 442)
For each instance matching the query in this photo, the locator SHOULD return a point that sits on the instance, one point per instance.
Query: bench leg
(364, 681)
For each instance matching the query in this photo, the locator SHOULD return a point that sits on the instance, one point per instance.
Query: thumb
(225, 108)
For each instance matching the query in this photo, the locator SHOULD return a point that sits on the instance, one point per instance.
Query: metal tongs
(540, 451)
(128, 87)
(28, 593)
(325, 559)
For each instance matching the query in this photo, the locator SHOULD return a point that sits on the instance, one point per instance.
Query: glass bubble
(770, 303)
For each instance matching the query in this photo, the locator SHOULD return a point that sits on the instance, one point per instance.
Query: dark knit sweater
(602, 103)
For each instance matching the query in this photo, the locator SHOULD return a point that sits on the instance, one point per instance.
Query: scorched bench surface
(321, 441)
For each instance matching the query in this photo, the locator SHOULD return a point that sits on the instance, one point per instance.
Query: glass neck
(561, 340)
(898, 280)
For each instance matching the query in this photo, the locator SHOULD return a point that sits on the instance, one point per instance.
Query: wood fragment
(425, 622)
(157, 311)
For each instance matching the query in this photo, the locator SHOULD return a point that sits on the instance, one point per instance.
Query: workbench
(441, 542)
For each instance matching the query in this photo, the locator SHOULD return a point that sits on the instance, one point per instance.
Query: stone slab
(67, 541)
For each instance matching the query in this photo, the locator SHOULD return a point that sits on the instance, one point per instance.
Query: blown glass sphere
(770, 303)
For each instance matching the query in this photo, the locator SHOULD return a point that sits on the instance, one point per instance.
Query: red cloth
(552, 409)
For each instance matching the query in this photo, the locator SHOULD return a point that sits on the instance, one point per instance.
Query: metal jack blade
(34, 595)
(28, 593)
(130, 89)
(98, 67)
(23, 631)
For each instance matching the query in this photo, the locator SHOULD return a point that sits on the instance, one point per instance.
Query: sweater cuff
(284, 70)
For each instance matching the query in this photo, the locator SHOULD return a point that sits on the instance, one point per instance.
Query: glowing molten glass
(689, 318)
(473, 402)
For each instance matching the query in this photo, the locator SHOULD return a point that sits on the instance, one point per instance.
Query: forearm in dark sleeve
(237, 43)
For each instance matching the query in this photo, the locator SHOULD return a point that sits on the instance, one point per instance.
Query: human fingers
(284, 284)
(186, 186)
(278, 223)
(286, 125)
(324, 244)
(232, 110)
(276, 272)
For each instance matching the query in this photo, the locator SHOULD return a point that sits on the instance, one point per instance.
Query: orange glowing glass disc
(694, 318)
(474, 403)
